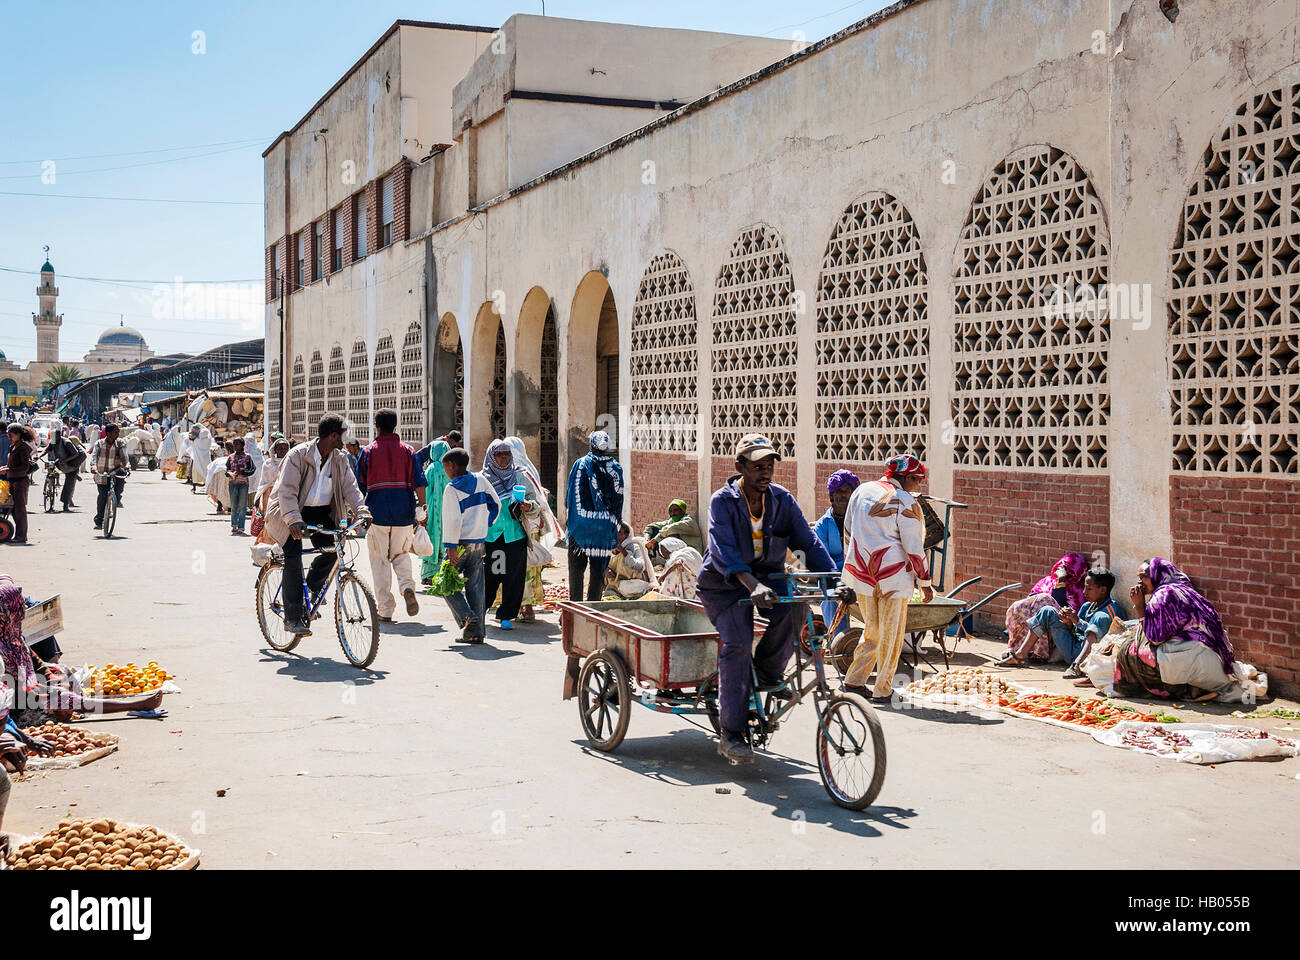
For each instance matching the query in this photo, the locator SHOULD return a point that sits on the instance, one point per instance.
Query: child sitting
(1074, 633)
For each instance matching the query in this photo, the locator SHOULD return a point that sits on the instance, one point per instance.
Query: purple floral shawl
(1076, 568)
(16, 674)
(1176, 611)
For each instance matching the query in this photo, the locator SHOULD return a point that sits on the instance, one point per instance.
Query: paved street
(449, 756)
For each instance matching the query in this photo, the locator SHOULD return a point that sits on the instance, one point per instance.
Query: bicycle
(52, 475)
(356, 616)
(111, 502)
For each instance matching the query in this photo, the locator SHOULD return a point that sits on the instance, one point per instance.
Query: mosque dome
(120, 337)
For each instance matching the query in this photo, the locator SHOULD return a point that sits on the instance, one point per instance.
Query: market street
(449, 756)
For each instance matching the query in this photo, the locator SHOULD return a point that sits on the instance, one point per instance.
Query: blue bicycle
(356, 617)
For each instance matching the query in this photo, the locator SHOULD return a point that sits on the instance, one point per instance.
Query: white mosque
(118, 348)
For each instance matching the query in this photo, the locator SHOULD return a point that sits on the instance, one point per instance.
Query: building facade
(1048, 246)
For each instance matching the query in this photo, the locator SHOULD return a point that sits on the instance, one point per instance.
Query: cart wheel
(842, 649)
(850, 751)
(6, 529)
(604, 700)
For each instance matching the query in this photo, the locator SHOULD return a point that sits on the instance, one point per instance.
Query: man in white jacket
(469, 507)
(884, 561)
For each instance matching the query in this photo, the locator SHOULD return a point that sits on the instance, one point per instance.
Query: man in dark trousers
(752, 522)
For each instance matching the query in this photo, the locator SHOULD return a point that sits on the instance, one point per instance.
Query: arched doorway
(591, 361)
(488, 364)
(533, 385)
(448, 372)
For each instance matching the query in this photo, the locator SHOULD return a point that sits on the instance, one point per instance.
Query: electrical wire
(73, 276)
(130, 166)
(137, 153)
(76, 196)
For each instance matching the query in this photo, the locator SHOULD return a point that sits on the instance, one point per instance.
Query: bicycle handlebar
(342, 531)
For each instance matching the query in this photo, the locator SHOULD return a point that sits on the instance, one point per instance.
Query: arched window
(359, 391)
(664, 360)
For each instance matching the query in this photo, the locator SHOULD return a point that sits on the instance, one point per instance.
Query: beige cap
(755, 446)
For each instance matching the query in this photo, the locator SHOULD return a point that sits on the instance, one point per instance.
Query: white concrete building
(1049, 246)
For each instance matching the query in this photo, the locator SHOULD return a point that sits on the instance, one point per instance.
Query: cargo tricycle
(663, 655)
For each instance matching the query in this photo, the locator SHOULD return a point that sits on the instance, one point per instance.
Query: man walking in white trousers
(389, 474)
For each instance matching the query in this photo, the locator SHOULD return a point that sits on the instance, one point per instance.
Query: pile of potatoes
(99, 845)
(69, 740)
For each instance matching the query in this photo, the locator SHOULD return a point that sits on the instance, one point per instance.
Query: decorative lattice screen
(754, 344)
(498, 415)
(273, 392)
(336, 383)
(410, 421)
(315, 390)
(873, 337)
(359, 392)
(1234, 304)
(549, 431)
(298, 399)
(664, 361)
(385, 374)
(1031, 388)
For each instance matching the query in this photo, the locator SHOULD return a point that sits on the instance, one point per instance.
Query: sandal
(1011, 660)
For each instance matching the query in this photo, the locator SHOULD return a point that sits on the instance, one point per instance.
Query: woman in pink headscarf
(1061, 588)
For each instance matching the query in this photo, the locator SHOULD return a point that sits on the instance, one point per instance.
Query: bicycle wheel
(850, 751)
(270, 608)
(357, 619)
(604, 704)
(51, 491)
(110, 513)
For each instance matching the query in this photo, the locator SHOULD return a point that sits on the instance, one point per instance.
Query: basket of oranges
(126, 680)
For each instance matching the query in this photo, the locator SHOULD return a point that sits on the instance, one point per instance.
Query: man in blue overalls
(752, 522)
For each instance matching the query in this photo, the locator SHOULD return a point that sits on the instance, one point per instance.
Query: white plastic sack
(1207, 742)
(421, 545)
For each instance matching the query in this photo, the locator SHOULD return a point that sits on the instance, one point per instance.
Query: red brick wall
(349, 229)
(270, 280)
(402, 201)
(370, 197)
(326, 246)
(1238, 538)
(723, 468)
(1017, 525)
(658, 478)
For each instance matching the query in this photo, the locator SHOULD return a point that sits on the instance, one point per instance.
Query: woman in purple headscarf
(1062, 587)
(830, 531)
(1181, 651)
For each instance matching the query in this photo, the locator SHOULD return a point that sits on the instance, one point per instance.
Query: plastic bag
(421, 545)
(538, 554)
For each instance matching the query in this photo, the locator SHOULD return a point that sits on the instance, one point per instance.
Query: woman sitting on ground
(1180, 650)
(1062, 588)
(630, 571)
(681, 571)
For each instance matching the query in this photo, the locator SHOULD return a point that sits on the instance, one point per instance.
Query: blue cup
(519, 493)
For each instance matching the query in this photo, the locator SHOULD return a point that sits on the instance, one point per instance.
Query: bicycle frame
(336, 572)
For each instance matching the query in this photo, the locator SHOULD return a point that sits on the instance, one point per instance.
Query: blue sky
(87, 80)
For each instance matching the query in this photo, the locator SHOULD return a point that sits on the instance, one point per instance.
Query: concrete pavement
(444, 755)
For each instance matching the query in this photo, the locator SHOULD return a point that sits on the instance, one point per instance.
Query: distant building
(118, 348)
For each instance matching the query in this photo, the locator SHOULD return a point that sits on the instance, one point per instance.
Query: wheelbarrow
(934, 618)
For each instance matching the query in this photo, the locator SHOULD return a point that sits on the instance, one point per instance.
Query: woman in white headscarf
(217, 485)
(200, 457)
(266, 477)
(542, 527)
(253, 450)
(682, 569)
(169, 451)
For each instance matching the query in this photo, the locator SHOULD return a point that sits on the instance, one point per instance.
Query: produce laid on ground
(102, 845)
(1204, 743)
(1098, 714)
(118, 681)
(70, 740)
(966, 681)
(1280, 713)
(553, 594)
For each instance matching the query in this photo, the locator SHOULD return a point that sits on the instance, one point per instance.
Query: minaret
(48, 320)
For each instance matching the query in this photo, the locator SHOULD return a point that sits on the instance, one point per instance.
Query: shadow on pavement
(956, 715)
(482, 651)
(319, 669)
(792, 788)
(411, 628)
